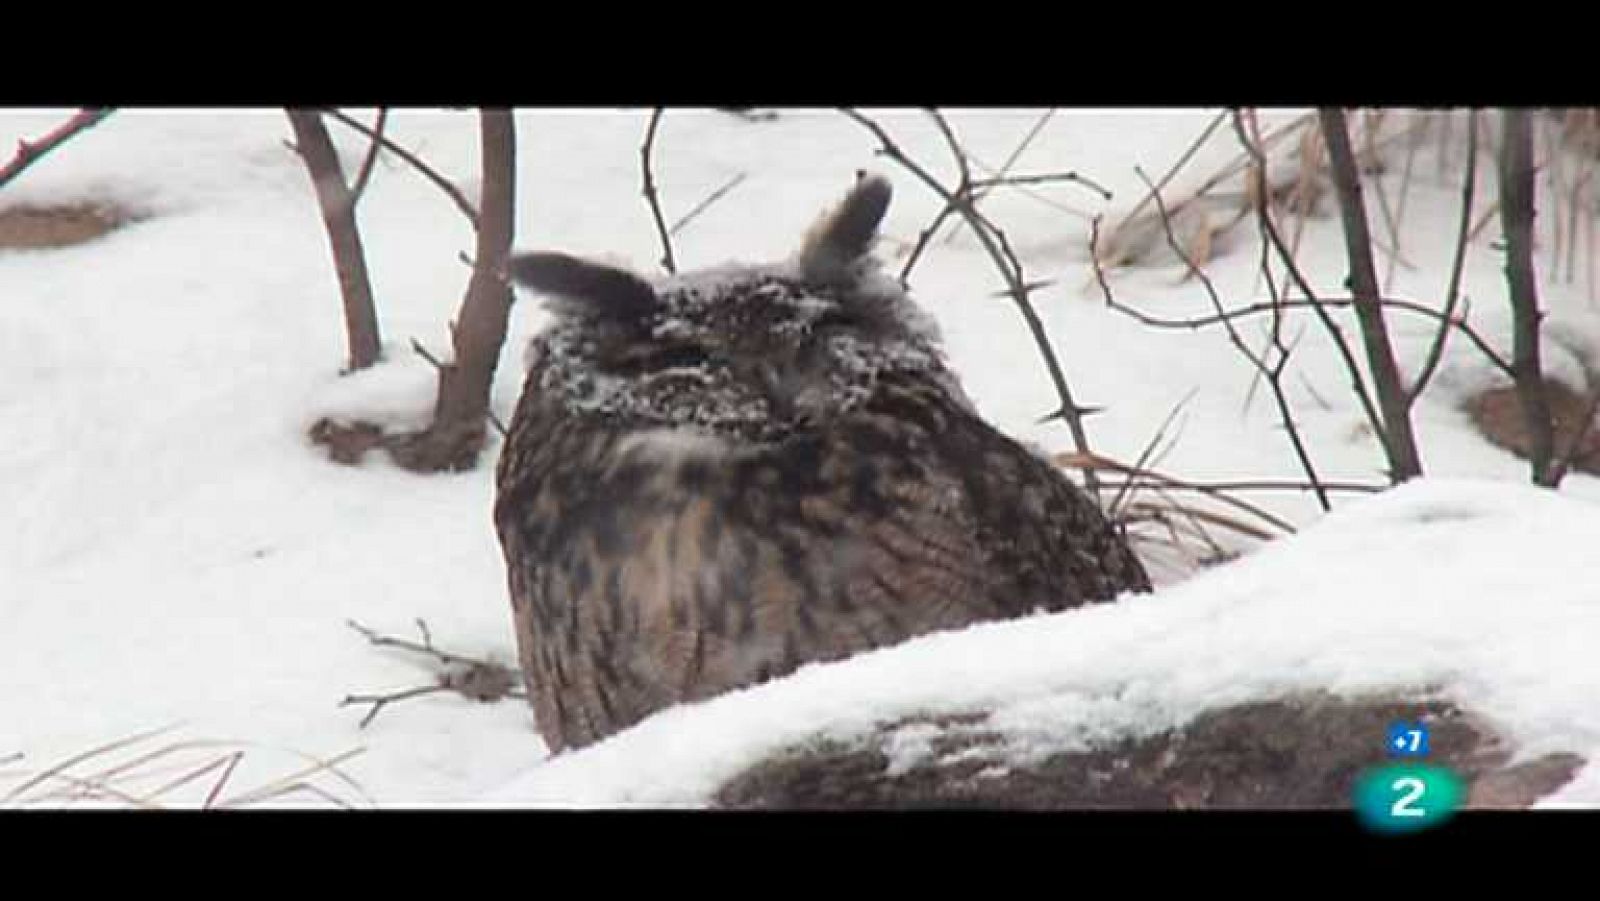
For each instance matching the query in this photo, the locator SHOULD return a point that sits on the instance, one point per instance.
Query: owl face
(748, 352)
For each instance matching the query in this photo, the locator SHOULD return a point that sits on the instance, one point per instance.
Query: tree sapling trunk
(339, 216)
(1399, 444)
(1516, 218)
(457, 433)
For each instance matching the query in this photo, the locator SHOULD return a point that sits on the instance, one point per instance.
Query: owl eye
(838, 319)
(641, 360)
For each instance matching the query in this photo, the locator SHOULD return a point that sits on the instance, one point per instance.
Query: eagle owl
(715, 478)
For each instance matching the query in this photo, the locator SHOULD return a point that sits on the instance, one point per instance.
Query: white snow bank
(1439, 585)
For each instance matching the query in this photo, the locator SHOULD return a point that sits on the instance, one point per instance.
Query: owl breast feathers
(715, 479)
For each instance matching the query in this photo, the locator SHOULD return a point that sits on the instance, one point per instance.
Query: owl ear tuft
(845, 234)
(592, 289)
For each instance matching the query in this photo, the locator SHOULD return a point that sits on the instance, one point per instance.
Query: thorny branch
(29, 152)
(1272, 372)
(645, 151)
(999, 250)
(1011, 159)
(480, 680)
(444, 184)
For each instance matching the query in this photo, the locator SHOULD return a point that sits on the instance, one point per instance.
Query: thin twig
(1255, 309)
(1172, 171)
(998, 249)
(378, 639)
(495, 421)
(1405, 191)
(1271, 372)
(364, 174)
(1011, 160)
(1095, 461)
(650, 195)
(425, 354)
(703, 205)
(1272, 485)
(1046, 178)
(1453, 289)
(1264, 221)
(379, 702)
(480, 680)
(1195, 515)
(30, 152)
(1144, 455)
(444, 184)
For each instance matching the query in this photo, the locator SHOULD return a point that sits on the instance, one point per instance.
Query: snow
(178, 553)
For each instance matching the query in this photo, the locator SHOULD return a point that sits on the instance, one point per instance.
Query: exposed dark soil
(1498, 414)
(35, 227)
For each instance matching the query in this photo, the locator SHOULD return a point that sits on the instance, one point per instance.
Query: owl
(715, 478)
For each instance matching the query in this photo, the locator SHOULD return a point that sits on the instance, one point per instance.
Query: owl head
(753, 352)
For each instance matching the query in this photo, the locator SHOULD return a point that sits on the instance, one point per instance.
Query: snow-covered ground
(176, 553)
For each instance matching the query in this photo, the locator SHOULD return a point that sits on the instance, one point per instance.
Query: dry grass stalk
(200, 763)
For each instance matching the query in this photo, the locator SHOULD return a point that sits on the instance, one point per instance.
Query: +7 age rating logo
(1407, 796)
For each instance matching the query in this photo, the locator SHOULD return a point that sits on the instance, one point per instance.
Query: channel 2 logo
(1408, 795)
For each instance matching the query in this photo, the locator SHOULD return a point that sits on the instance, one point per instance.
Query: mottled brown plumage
(715, 479)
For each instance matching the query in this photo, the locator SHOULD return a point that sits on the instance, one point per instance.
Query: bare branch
(423, 353)
(645, 150)
(1129, 487)
(1011, 160)
(30, 152)
(444, 184)
(1043, 179)
(381, 701)
(1273, 373)
(426, 647)
(364, 174)
(1453, 290)
(1257, 153)
(1272, 485)
(1173, 170)
(704, 205)
(999, 251)
(470, 677)
(1256, 309)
